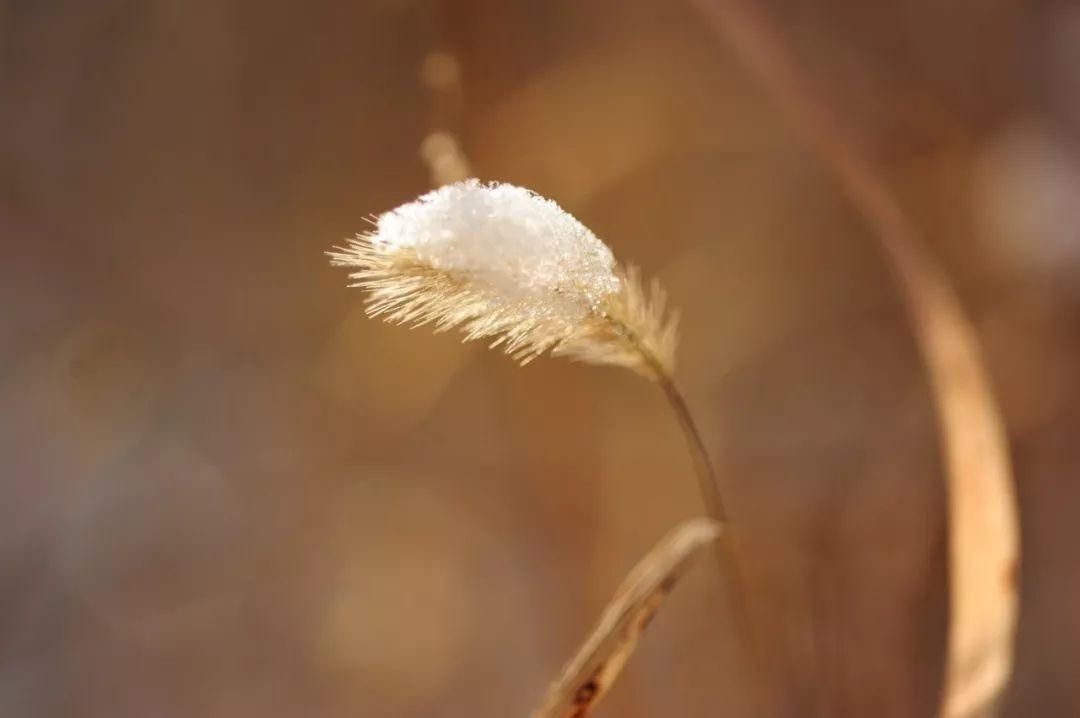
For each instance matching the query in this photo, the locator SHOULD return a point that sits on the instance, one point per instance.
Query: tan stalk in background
(983, 536)
(441, 149)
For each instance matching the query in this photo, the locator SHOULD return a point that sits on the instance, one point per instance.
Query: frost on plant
(504, 263)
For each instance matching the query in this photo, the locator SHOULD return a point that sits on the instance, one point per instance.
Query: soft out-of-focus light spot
(403, 607)
(631, 106)
(1026, 201)
(389, 372)
(440, 70)
(399, 620)
(154, 542)
(445, 158)
(108, 381)
(89, 391)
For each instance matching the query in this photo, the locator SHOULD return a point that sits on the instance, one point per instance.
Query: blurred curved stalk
(729, 550)
(708, 482)
(983, 535)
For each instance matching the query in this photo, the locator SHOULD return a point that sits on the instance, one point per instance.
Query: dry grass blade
(983, 536)
(596, 665)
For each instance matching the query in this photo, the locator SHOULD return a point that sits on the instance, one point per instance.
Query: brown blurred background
(226, 493)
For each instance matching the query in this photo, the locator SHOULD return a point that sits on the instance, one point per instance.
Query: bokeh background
(226, 493)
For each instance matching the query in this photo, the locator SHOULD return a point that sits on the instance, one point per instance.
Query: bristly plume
(504, 263)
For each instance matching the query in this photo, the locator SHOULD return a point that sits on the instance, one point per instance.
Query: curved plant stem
(983, 534)
(708, 482)
(728, 549)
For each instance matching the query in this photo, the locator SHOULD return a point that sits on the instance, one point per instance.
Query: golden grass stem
(729, 549)
(708, 481)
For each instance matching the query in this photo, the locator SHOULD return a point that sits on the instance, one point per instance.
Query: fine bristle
(502, 263)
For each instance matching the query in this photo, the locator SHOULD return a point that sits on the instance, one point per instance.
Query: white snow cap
(503, 263)
(522, 246)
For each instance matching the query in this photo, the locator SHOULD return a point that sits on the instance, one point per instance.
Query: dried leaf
(983, 535)
(600, 660)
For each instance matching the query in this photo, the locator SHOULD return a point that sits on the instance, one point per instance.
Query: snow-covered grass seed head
(504, 263)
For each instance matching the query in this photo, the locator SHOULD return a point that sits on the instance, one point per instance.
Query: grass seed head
(505, 264)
